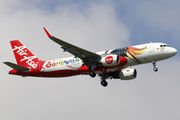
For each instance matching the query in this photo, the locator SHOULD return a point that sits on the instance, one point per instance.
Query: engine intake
(127, 74)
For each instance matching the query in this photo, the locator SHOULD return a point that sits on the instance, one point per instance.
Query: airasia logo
(29, 59)
(109, 59)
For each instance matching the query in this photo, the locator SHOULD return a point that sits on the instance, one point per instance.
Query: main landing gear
(104, 83)
(92, 74)
(104, 76)
(154, 65)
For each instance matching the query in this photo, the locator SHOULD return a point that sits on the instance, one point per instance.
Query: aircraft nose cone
(173, 51)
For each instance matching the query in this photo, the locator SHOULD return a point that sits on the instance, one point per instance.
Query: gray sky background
(95, 26)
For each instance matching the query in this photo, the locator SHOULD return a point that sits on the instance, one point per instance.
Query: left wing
(86, 56)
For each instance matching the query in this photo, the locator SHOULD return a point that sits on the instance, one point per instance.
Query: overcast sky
(95, 25)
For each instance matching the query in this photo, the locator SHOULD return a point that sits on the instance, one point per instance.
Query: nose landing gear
(154, 65)
(155, 69)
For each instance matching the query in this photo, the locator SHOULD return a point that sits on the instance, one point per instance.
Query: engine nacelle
(127, 74)
(110, 60)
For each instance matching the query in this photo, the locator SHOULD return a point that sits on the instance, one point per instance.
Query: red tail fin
(23, 56)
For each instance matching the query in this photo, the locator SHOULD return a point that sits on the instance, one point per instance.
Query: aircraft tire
(92, 74)
(155, 69)
(104, 83)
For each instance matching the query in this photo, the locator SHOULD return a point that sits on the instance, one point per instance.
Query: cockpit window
(164, 45)
(119, 52)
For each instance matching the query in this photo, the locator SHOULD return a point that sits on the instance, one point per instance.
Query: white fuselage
(136, 55)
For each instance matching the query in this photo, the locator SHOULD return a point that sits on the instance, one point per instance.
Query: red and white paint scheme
(108, 64)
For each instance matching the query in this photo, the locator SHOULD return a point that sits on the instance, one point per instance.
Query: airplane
(111, 64)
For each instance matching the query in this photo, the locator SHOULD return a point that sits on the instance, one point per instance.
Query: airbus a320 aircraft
(108, 64)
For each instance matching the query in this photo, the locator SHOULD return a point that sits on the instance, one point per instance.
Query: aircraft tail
(23, 56)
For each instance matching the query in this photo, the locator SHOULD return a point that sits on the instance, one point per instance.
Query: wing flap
(17, 67)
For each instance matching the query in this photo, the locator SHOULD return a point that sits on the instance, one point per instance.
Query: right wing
(86, 56)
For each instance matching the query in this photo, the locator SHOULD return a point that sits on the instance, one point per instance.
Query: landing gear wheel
(92, 74)
(155, 69)
(104, 83)
(154, 65)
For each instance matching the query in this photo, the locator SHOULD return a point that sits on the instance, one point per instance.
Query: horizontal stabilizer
(17, 67)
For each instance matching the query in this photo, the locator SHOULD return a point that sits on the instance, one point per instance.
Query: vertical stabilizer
(23, 56)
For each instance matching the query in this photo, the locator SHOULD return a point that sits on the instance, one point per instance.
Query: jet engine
(127, 74)
(110, 60)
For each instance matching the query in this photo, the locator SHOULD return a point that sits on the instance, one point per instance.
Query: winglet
(48, 34)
